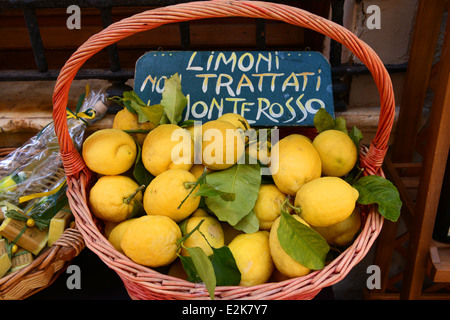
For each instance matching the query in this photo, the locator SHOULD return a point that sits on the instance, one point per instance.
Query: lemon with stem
(112, 198)
(172, 194)
(326, 201)
(151, 241)
(109, 151)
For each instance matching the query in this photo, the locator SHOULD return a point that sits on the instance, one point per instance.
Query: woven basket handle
(372, 161)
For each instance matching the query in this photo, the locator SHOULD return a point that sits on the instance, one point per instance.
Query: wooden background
(222, 33)
(26, 106)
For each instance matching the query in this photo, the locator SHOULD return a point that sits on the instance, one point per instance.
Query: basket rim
(78, 174)
(44, 269)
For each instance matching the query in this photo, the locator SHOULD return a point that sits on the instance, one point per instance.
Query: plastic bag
(32, 177)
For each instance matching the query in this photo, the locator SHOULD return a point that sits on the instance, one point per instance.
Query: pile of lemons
(308, 173)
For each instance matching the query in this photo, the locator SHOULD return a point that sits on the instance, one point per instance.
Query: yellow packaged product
(30, 238)
(5, 261)
(58, 224)
(20, 260)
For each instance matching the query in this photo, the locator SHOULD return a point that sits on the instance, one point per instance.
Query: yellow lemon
(116, 234)
(166, 192)
(200, 212)
(342, 233)
(238, 121)
(294, 163)
(168, 146)
(109, 151)
(112, 198)
(151, 241)
(268, 205)
(197, 170)
(211, 230)
(222, 145)
(126, 120)
(235, 119)
(337, 152)
(108, 226)
(195, 131)
(260, 150)
(190, 129)
(326, 201)
(252, 255)
(196, 134)
(284, 263)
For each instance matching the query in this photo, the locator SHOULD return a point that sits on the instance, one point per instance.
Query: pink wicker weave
(144, 283)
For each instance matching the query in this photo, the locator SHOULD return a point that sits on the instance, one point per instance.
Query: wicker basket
(142, 282)
(46, 268)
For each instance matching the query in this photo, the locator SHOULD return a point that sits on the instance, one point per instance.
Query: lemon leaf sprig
(302, 243)
(378, 190)
(134, 104)
(372, 189)
(218, 269)
(244, 180)
(140, 173)
(206, 190)
(173, 100)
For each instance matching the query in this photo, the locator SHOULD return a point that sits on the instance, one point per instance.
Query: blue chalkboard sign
(268, 88)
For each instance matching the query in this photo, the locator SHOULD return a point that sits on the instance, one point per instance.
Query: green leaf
(204, 268)
(201, 180)
(183, 239)
(126, 96)
(354, 174)
(323, 120)
(241, 179)
(138, 210)
(378, 190)
(249, 223)
(207, 190)
(182, 224)
(145, 113)
(140, 173)
(356, 136)
(134, 104)
(218, 269)
(189, 267)
(173, 100)
(225, 268)
(187, 123)
(302, 243)
(226, 271)
(80, 102)
(153, 113)
(124, 101)
(340, 124)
